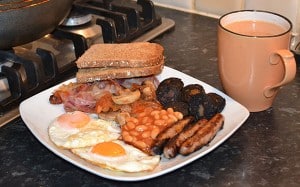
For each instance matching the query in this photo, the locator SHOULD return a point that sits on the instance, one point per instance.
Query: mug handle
(287, 58)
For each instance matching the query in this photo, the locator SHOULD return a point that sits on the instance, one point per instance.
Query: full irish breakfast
(119, 116)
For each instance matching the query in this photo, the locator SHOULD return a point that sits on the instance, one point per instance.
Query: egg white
(96, 131)
(133, 161)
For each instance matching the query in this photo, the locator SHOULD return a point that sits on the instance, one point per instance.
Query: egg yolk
(75, 119)
(108, 149)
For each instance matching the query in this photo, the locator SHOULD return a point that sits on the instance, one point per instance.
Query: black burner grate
(119, 22)
(28, 77)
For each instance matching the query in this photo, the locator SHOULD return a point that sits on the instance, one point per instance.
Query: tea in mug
(255, 28)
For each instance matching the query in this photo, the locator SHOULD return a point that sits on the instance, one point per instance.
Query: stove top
(36, 66)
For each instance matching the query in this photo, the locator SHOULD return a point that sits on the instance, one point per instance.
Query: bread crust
(138, 54)
(97, 74)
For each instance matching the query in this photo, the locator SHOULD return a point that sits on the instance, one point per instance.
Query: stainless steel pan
(23, 21)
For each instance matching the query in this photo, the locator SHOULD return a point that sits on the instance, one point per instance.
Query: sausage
(171, 148)
(203, 135)
(169, 133)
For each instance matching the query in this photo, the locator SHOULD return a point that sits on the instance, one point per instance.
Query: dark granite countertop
(265, 151)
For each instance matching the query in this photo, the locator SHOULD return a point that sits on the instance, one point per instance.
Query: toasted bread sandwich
(115, 61)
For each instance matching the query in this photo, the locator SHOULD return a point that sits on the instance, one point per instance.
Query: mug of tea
(254, 59)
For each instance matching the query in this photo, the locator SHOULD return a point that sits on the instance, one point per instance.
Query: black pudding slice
(169, 90)
(192, 91)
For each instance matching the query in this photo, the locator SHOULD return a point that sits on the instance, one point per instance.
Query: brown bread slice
(138, 54)
(97, 74)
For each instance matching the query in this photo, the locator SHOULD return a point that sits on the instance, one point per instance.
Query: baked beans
(142, 129)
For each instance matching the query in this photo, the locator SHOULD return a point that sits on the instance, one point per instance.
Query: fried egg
(119, 156)
(77, 129)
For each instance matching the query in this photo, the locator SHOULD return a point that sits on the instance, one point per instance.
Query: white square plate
(38, 113)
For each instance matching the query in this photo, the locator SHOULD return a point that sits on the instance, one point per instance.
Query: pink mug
(254, 59)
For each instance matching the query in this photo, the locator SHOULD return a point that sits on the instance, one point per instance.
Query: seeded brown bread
(137, 54)
(97, 74)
